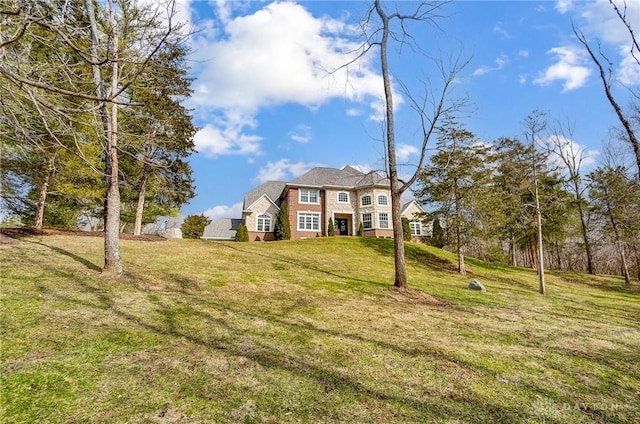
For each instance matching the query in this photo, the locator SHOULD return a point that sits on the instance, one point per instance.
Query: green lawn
(306, 331)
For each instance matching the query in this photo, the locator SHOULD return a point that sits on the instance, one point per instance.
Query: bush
(437, 234)
(331, 229)
(282, 227)
(406, 228)
(361, 230)
(193, 226)
(242, 233)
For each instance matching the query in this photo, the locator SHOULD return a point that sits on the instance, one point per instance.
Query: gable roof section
(374, 178)
(271, 189)
(409, 203)
(221, 229)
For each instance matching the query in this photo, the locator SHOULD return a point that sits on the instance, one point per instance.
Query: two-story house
(346, 196)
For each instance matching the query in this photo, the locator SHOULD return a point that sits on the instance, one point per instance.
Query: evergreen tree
(193, 226)
(458, 173)
(406, 228)
(361, 230)
(437, 234)
(331, 229)
(282, 227)
(242, 233)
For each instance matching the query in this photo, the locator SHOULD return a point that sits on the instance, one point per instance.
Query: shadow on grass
(415, 254)
(274, 355)
(71, 255)
(302, 263)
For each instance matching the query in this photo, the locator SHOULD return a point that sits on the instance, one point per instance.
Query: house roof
(272, 189)
(221, 229)
(407, 204)
(347, 177)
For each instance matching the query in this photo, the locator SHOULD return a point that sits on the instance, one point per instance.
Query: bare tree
(431, 108)
(601, 61)
(560, 143)
(534, 124)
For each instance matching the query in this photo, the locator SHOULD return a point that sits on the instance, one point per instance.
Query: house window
(383, 219)
(343, 197)
(264, 223)
(383, 200)
(308, 221)
(366, 200)
(309, 196)
(366, 220)
(416, 228)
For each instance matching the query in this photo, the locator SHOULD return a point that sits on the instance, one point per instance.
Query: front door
(342, 226)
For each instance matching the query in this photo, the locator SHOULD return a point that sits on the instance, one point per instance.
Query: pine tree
(282, 227)
(437, 234)
(242, 233)
(361, 230)
(331, 229)
(193, 226)
(406, 228)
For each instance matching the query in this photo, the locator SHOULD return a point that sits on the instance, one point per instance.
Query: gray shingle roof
(221, 229)
(345, 177)
(273, 189)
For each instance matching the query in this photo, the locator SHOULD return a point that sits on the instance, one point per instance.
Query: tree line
(484, 197)
(92, 125)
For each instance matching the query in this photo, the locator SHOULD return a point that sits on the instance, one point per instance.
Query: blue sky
(269, 108)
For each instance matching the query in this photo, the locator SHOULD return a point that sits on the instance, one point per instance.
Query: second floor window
(383, 200)
(264, 223)
(309, 196)
(366, 200)
(343, 197)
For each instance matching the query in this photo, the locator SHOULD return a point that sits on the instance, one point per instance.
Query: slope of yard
(306, 331)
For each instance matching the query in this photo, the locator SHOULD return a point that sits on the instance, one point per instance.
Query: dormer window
(309, 196)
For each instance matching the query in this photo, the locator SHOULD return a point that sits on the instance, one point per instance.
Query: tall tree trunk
(112, 259)
(42, 196)
(620, 247)
(142, 192)
(461, 269)
(585, 237)
(396, 217)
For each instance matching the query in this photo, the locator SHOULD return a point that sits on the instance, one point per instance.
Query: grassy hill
(306, 331)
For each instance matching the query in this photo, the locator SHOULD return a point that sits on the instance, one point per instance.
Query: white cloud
(499, 29)
(404, 152)
(500, 61)
(227, 138)
(600, 24)
(223, 211)
(282, 170)
(278, 55)
(563, 6)
(523, 53)
(302, 134)
(570, 149)
(569, 67)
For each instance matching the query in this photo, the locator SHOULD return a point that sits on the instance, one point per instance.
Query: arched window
(264, 223)
(365, 200)
(383, 200)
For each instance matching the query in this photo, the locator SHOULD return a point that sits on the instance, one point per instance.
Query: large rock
(173, 233)
(476, 285)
